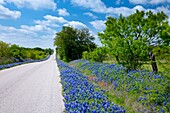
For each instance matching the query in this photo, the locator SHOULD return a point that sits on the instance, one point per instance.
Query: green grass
(163, 66)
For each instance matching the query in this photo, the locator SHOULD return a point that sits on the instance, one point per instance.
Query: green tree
(130, 38)
(5, 57)
(98, 54)
(49, 51)
(72, 42)
(15, 51)
(165, 35)
(4, 50)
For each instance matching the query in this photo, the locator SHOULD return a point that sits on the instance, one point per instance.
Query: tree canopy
(72, 42)
(130, 38)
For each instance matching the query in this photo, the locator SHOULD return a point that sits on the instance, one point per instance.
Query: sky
(34, 23)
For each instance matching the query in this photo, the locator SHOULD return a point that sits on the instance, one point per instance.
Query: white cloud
(99, 7)
(55, 19)
(90, 14)
(6, 13)
(76, 24)
(63, 12)
(98, 24)
(14, 30)
(50, 21)
(43, 22)
(2, 2)
(149, 1)
(34, 28)
(41, 34)
(34, 4)
(164, 9)
(94, 5)
(46, 23)
(125, 11)
(28, 36)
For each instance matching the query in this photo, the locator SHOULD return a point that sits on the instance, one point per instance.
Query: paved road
(31, 88)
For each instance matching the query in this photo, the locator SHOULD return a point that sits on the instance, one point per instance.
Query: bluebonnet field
(81, 96)
(19, 63)
(151, 91)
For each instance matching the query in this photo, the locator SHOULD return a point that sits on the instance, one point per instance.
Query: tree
(4, 53)
(4, 50)
(49, 51)
(131, 38)
(15, 51)
(98, 54)
(72, 42)
(165, 35)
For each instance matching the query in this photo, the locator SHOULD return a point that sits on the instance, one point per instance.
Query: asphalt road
(31, 88)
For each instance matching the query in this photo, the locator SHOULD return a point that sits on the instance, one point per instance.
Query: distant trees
(29, 53)
(13, 53)
(72, 42)
(49, 51)
(132, 38)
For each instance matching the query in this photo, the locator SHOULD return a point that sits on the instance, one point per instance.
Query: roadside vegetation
(137, 90)
(132, 66)
(14, 53)
(81, 96)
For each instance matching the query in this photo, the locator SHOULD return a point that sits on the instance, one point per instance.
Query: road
(31, 88)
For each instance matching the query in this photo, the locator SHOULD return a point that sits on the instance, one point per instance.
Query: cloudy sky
(33, 23)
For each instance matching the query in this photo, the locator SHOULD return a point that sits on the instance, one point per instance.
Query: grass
(163, 66)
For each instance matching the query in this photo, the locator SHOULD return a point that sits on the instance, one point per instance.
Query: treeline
(141, 38)
(14, 53)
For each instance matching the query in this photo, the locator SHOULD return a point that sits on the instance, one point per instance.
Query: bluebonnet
(145, 84)
(81, 95)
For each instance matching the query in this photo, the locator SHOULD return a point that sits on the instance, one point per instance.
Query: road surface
(31, 88)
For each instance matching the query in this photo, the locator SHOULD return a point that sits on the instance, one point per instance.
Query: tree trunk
(117, 58)
(153, 61)
(101, 58)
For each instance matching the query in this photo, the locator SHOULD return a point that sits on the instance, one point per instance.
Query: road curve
(31, 88)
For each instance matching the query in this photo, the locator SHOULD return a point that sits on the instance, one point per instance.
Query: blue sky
(33, 23)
